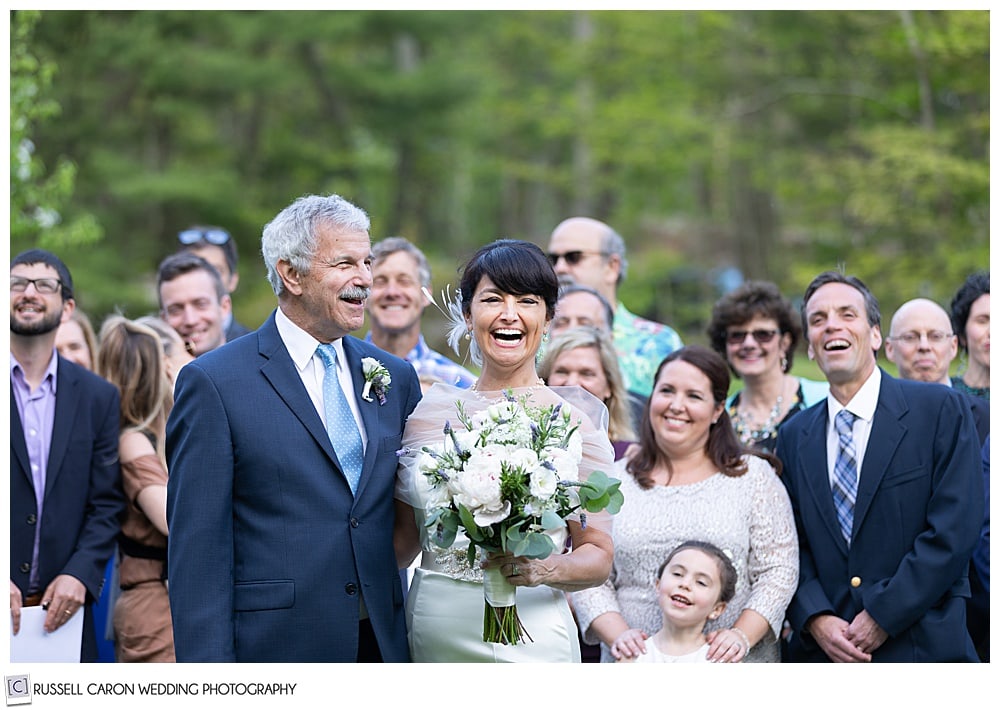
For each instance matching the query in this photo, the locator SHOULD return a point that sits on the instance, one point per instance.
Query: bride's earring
(468, 334)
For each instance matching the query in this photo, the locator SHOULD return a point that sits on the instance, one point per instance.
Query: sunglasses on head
(572, 257)
(762, 336)
(217, 237)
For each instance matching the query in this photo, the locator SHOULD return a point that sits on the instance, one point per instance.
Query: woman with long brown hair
(692, 479)
(131, 357)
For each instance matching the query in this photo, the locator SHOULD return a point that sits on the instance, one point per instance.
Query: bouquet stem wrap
(501, 623)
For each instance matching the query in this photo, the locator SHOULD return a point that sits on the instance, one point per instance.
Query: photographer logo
(18, 690)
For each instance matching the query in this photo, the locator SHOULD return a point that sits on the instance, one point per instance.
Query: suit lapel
(67, 402)
(17, 443)
(279, 370)
(813, 456)
(886, 434)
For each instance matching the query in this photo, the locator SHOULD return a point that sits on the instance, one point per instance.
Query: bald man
(922, 345)
(589, 252)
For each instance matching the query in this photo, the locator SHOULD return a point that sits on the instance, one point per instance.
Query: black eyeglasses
(47, 286)
(573, 257)
(762, 336)
(218, 237)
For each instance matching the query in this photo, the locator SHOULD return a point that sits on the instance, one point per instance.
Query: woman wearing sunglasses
(756, 330)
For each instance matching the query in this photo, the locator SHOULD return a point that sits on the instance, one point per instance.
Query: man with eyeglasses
(400, 277)
(218, 248)
(922, 346)
(65, 481)
(589, 252)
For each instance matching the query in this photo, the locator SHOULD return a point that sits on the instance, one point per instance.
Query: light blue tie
(845, 473)
(341, 426)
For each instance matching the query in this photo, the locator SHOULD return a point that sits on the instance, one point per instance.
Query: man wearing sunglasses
(65, 481)
(922, 346)
(588, 252)
(218, 248)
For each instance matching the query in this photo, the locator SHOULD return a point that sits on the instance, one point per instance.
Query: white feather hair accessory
(456, 321)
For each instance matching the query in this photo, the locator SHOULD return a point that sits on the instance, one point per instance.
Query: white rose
(575, 445)
(434, 495)
(426, 463)
(543, 482)
(566, 464)
(466, 439)
(524, 459)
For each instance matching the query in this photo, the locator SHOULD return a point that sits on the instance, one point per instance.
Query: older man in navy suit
(886, 489)
(282, 457)
(65, 481)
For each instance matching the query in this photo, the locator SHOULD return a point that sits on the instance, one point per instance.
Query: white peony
(478, 486)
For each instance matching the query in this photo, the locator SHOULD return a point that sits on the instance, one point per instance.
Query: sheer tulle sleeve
(440, 404)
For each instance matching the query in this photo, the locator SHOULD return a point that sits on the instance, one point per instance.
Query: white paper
(32, 644)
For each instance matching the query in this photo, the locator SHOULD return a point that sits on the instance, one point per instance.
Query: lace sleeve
(772, 567)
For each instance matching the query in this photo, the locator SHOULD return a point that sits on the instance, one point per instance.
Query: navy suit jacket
(268, 548)
(916, 521)
(83, 500)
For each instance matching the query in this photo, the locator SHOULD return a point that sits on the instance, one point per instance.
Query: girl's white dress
(655, 655)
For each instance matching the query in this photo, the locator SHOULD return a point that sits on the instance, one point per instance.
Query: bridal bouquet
(505, 476)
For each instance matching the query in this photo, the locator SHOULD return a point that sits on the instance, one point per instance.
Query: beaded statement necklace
(746, 431)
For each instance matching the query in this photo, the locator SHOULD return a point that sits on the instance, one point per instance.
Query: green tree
(40, 199)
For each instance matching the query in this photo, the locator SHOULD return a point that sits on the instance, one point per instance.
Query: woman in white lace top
(691, 478)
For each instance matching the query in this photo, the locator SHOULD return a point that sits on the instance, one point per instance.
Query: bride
(508, 292)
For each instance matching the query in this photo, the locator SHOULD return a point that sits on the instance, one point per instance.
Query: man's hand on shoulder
(830, 632)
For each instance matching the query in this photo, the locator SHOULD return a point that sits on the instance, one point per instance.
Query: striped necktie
(845, 473)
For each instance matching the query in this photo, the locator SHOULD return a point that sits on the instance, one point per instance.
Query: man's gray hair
(390, 245)
(291, 235)
(612, 243)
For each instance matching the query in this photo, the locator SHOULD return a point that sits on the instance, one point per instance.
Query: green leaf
(551, 521)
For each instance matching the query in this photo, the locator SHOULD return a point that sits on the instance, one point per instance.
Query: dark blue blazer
(268, 548)
(83, 500)
(916, 521)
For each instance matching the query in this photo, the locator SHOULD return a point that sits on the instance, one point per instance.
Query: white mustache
(355, 293)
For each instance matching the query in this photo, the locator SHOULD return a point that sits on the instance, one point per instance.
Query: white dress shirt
(862, 405)
(302, 348)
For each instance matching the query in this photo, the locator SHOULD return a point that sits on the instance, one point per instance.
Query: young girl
(693, 586)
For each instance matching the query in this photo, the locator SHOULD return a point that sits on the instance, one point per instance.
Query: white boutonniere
(377, 379)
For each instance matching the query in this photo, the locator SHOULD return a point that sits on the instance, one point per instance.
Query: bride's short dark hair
(515, 266)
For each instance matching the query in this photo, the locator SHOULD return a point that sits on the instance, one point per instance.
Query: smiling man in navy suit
(280, 547)
(65, 480)
(887, 493)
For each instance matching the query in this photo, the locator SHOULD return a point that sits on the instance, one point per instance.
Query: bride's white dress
(445, 605)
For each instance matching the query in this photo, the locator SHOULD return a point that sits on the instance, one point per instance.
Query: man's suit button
(351, 588)
(354, 522)
(855, 581)
(31, 520)
(25, 567)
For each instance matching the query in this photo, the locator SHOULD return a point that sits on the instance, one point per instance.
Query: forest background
(721, 144)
